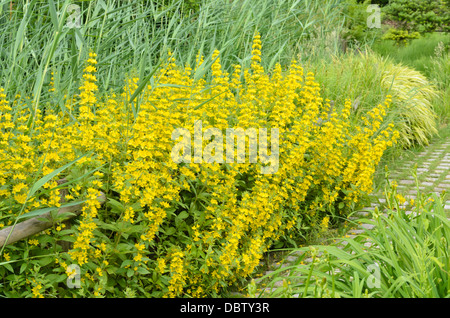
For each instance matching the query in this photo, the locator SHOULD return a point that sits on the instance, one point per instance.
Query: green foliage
(405, 255)
(356, 28)
(401, 37)
(439, 72)
(422, 16)
(381, 3)
(367, 78)
(418, 54)
(136, 35)
(35, 40)
(430, 56)
(185, 6)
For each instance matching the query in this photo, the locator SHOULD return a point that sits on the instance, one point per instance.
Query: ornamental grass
(367, 78)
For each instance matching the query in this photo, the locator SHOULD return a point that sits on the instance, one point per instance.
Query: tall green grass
(367, 78)
(430, 55)
(132, 36)
(418, 54)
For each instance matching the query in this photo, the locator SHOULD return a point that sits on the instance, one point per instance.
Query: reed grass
(133, 36)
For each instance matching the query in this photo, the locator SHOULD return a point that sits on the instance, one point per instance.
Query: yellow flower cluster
(85, 238)
(195, 227)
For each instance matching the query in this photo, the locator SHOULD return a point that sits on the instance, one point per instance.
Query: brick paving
(433, 172)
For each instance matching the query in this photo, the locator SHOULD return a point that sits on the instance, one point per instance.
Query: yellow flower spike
(316, 141)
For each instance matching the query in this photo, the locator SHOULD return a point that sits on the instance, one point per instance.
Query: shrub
(423, 16)
(400, 37)
(188, 229)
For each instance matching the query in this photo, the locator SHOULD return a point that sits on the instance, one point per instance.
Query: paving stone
(427, 184)
(291, 259)
(367, 226)
(407, 182)
(355, 232)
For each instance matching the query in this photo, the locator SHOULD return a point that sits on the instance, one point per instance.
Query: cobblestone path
(433, 172)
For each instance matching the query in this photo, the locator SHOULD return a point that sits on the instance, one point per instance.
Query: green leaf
(55, 278)
(45, 261)
(130, 272)
(22, 268)
(37, 212)
(183, 215)
(143, 271)
(126, 263)
(170, 231)
(8, 266)
(37, 185)
(45, 210)
(116, 205)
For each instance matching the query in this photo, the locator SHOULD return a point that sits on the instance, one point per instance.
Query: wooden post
(36, 224)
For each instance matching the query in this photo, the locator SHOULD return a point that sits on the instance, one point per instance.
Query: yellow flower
(400, 198)
(239, 211)
(324, 223)
(33, 242)
(99, 271)
(161, 265)
(129, 215)
(36, 291)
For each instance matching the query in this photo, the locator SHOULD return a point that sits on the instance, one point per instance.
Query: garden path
(433, 172)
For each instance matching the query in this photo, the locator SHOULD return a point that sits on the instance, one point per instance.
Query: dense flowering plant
(187, 229)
